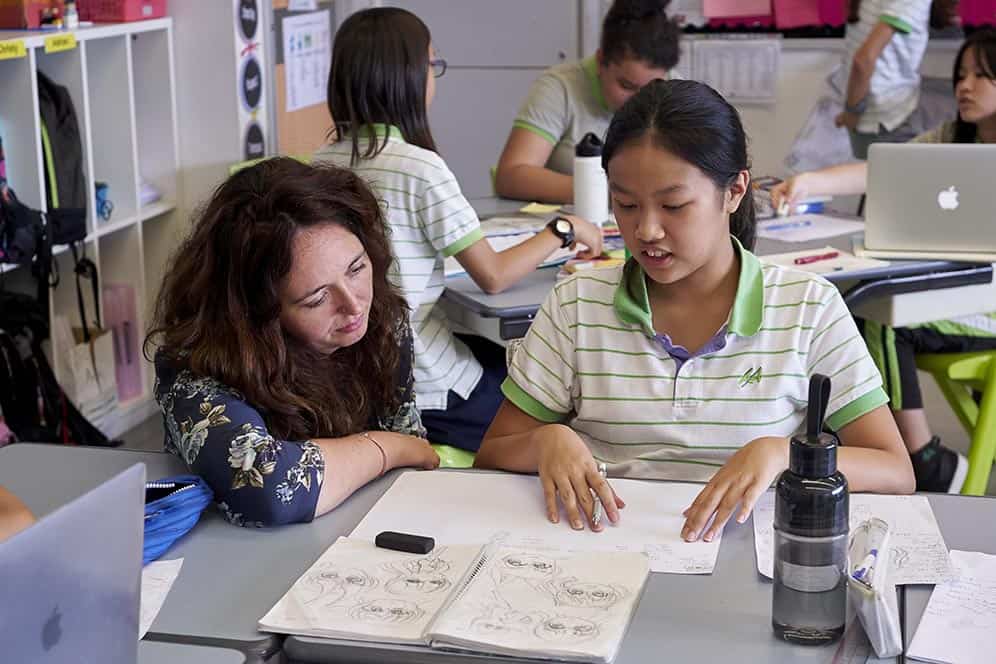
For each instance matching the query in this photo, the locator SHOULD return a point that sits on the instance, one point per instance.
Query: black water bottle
(809, 599)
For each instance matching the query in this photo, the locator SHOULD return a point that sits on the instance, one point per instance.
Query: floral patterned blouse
(257, 479)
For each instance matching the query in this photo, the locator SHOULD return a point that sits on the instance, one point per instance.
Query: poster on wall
(307, 56)
(251, 82)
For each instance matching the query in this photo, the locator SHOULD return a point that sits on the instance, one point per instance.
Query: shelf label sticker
(57, 43)
(12, 48)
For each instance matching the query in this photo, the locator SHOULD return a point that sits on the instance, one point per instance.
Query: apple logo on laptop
(948, 198)
(52, 631)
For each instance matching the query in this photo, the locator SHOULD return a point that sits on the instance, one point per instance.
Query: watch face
(564, 226)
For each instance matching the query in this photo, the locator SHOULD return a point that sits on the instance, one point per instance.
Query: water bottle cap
(813, 457)
(590, 146)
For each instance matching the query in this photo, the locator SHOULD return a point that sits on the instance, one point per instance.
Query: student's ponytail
(694, 122)
(641, 30)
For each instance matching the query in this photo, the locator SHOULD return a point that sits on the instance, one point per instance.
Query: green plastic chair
(958, 374)
(453, 457)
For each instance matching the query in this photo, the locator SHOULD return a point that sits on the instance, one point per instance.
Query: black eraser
(404, 542)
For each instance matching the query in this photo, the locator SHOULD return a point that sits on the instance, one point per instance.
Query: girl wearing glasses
(639, 44)
(381, 83)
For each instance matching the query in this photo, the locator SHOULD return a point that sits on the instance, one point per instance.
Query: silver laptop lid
(931, 198)
(70, 585)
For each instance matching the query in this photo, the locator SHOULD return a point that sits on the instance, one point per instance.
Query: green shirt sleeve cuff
(464, 242)
(528, 404)
(899, 24)
(857, 408)
(542, 133)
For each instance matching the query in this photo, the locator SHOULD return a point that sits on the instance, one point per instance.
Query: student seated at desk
(639, 44)
(691, 362)
(381, 83)
(283, 354)
(937, 468)
(14, 515)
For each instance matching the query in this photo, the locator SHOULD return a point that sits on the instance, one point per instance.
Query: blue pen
(788, 224)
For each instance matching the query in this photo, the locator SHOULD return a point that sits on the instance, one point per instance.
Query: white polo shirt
(428, 219)
(593, 361)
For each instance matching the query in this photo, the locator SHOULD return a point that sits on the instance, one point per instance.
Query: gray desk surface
(231, 576)
(154, 652)
(525, 297)
(967, 525)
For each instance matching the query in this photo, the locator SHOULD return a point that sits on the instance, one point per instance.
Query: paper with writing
(157, 579)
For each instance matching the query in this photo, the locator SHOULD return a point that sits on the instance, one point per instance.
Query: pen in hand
(598, 510)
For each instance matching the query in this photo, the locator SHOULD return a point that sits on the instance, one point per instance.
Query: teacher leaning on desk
(282, 353)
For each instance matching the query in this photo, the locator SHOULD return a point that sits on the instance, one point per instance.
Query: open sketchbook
(496, 599)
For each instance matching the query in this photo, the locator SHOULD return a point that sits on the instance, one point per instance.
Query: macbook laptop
(931, 202)
(70, 585)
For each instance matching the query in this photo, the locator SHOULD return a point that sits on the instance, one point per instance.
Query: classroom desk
(900, 293)
(153, 652)
(967, 525)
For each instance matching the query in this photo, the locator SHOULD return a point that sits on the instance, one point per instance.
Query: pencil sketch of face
(503, 621)
(332, 584)
(566, 629)
(572, 592)
(386, 611)
(528, 566)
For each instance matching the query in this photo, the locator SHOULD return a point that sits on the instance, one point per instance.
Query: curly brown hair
(218, 311)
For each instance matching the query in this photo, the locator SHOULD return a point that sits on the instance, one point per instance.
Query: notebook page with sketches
(918, 553)
(506, 508)
(807, 227)
(360, 592)
(572, 607)
(959, 623)
(842, 262)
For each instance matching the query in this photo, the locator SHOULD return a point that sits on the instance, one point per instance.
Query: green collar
(382, 130)
(590, 67)
(632, 303)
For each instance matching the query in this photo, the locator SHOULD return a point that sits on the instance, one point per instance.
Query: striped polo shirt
(428, 219)
(894, 90)
(593, 360)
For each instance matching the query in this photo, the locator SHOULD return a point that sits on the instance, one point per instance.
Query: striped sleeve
(544, 112)
(906, 16)
(446, 217)
(541, 376)
(837, 350)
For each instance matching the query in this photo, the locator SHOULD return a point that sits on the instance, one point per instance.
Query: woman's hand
(404, 450)
(567, 469)
(741, 482)
(589, 235)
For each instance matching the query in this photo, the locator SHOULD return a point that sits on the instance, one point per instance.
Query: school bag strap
(173, 506)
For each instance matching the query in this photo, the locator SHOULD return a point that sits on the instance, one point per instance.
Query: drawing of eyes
(412, 583)
(587, 594)
(386, 611)
(529, 565)
(565, 628)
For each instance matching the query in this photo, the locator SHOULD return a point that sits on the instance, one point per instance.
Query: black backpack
(33, 403)
(62, 151)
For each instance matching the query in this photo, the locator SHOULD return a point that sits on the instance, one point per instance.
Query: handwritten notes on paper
(742, 70)
(959, 624)
(477, 508)
(157, 579)
(917, 550)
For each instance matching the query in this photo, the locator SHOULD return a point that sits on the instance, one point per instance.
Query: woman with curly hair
(282, 352)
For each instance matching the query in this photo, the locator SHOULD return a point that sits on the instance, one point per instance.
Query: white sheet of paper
(452, 267)
(917, 550)
(569, 606)
(477, 508)
(742, 70)
(844, 261)
(358, 591)
(157, 579)
(807, 227)
(307, 57)
(959, 624)
(302, 5)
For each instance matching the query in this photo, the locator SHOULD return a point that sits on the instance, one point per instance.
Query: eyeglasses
(438, 67)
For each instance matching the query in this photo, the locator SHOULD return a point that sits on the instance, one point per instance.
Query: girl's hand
(589, 235)
(567, 469)
(789, 192)
(403, 450)
(741, 481)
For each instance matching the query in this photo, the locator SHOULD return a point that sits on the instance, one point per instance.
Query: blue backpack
(172, 507)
